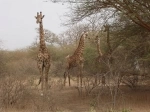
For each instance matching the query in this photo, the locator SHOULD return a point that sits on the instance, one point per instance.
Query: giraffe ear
(83, 32)
(35, 17)
(86, 32)
(43, 16)
(67, 56)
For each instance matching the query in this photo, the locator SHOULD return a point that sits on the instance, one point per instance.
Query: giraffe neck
(98, 47)
(108, 41)
(80, 48)
(42, 41)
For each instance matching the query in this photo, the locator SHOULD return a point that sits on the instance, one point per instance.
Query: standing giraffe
(43, 57)
(99, 60)
(76, 60)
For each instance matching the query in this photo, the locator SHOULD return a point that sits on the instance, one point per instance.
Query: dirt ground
(67, 99)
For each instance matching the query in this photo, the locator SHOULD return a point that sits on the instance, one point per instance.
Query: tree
(137, 11)
(50, 37)
(72, 35)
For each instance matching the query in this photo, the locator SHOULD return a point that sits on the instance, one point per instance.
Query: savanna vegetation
(125, 62)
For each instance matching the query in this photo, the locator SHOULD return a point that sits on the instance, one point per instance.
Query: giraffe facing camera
(43, 57)
(39, 17)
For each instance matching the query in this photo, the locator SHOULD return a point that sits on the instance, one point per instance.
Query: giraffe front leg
(40, 67)
(41, 80)
(78, 75)
(81, 74)
(46, 76)
(46, 81)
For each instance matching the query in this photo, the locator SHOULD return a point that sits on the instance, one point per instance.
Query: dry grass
(67, 99)
(137, 100)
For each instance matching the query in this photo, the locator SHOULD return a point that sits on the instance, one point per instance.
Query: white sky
(17, 22)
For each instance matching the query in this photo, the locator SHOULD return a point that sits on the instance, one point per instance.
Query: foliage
(50, 37)
(12, 92)
(2, 63)
(136, 10)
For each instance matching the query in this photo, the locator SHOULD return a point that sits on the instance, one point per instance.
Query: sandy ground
(67, 99)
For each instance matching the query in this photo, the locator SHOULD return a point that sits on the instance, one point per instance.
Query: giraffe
(98, 49)
(43, 57)
(107, 56)
(99, 60)
(76, 60)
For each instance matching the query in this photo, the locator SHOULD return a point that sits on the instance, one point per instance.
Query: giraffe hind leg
(69, 78)
(67, 74)
(65, 78)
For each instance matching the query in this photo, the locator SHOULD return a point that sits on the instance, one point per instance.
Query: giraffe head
(39, 17)
(85, 35)
(67, 56)
(96, 38)
(106, 27)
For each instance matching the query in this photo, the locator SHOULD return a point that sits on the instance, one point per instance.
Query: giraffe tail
(39, 81)
(65, 75)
